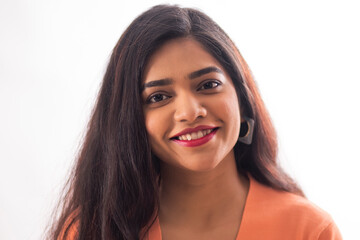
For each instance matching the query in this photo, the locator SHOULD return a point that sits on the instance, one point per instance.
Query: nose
(189, 109)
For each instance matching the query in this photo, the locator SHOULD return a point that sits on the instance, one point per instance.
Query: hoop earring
(247, 136)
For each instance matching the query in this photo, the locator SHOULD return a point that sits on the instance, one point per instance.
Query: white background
(304, 55)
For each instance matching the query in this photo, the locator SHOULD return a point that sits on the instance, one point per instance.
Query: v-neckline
(155, 230)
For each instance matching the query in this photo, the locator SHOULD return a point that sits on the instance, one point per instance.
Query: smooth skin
(202, 194)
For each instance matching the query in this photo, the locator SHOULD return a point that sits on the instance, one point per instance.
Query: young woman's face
(191, 108)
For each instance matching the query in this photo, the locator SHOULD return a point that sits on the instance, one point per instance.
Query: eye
(209, 85)
(157, 97)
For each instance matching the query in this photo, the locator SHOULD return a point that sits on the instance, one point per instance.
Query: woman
(180, 145)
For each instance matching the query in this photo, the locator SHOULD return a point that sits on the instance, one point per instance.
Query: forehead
(178, 57)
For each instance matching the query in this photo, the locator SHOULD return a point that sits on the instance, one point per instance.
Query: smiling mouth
(194, 135)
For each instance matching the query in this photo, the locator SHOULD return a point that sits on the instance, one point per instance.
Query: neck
(202, 198)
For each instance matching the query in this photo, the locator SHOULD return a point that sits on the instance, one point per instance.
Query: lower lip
(196, 142)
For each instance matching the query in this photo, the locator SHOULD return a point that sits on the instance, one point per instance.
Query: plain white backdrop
(304, 56)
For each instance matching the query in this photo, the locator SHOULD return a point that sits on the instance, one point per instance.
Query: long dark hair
(113, 191)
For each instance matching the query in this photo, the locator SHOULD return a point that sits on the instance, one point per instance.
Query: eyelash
(211, 81)
(150, 99)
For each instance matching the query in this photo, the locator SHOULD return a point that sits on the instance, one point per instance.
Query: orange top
(271, 214)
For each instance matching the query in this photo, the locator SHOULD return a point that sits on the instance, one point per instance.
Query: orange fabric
(273, 215)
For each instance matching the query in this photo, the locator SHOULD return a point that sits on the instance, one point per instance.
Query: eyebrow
(204, 71)
(193, 75)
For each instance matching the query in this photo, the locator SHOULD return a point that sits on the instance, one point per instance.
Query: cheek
(230, 113)
(156, 126)
(229, 107)
(232, 110)
(152, 125)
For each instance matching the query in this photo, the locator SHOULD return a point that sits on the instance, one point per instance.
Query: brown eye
(158, 97)
(209, 85)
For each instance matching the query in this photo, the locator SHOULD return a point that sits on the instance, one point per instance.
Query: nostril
(189, 112)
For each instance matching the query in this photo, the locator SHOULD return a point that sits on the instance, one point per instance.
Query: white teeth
(188, 136)
(195, 135)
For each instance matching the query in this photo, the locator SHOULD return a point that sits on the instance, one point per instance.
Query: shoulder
(288, 213)
(290, 204)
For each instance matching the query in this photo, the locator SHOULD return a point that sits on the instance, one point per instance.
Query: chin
(200, 166)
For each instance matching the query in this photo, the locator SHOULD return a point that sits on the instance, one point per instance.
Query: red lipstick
(195, 142)
(191, 130)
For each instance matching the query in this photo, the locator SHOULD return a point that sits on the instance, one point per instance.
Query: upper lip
(195, 129)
